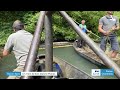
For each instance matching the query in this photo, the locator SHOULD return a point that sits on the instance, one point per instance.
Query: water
(66, 53)
(69, 54)
(7, 64)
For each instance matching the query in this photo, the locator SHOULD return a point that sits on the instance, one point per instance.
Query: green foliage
(91, 18)
(62, 30)
(5, 31)
(6, 20)
(31, 21)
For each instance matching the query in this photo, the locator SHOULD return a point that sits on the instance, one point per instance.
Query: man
(18, 42)
(108, 24)
(83, 27)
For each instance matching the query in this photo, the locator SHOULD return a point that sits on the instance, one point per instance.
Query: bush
(6, 20)
(62, 30)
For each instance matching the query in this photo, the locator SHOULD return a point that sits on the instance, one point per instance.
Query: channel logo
(102, 72)
(95, 72)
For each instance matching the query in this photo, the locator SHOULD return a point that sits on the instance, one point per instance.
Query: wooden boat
(69, 71)
(87, 53)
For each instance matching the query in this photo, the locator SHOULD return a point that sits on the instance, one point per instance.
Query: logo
(102, 72)
(95, 72)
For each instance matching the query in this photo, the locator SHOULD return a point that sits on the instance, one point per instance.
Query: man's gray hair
(18, 25)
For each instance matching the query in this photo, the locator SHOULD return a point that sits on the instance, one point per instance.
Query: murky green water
(7, 64)
(67, 53)
(70, 55)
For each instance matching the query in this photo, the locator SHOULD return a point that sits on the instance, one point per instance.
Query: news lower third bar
(31, 73)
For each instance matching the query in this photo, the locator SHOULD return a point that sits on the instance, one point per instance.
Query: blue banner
(13, 73)
(107, 72)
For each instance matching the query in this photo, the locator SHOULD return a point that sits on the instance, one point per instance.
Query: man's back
(20, 43)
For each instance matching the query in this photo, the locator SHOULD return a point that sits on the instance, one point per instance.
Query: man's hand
(102, 31)
(106, 33)
(113, 28)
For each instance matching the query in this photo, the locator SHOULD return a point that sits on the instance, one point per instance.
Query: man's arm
(117, 25)
(100, 26)
(8, 46)
(115, 28)
(101, 30)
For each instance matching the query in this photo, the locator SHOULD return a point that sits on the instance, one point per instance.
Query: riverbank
(57, 44)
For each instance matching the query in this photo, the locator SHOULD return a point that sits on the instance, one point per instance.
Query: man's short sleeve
(101, 21)
(9, 43)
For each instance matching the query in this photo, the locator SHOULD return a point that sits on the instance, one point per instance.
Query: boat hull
(88, 54)
(68, 70)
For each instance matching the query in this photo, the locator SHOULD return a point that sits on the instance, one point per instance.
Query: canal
(66, 53)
